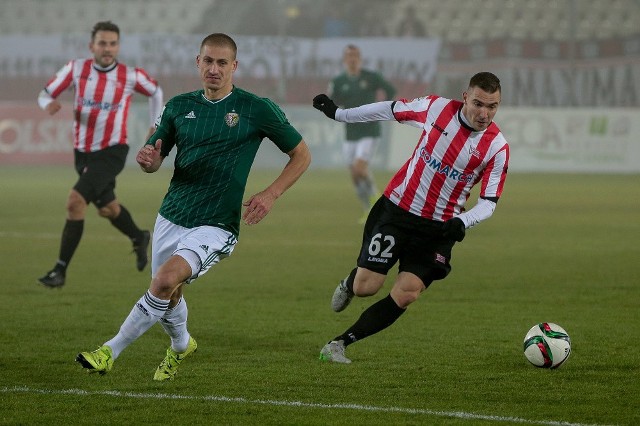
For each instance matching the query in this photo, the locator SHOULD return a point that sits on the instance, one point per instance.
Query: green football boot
(98, 361)
(169, 366)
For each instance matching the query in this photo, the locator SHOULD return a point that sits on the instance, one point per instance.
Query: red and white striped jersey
(448, 161)
(101, 100)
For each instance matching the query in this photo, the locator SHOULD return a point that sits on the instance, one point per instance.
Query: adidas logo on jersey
(190, 115)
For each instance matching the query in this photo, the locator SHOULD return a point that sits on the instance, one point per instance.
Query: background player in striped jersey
(354, 87)
(217, 132)
(102, 92)
(421, 214)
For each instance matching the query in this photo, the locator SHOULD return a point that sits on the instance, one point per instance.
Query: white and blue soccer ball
(547, 345)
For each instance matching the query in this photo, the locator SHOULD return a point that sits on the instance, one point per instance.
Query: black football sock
(71, 235)
(375, 318)
(60, 266)
(124, 223)
(350, 278)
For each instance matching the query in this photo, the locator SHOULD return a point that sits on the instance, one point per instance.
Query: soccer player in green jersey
(354, 87)
(216, 132)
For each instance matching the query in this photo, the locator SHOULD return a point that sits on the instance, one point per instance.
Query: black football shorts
(392, 235)
(98, 171)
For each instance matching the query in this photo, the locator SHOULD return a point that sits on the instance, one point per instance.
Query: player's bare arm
(149, 157)
(151, 131)
(260, 204)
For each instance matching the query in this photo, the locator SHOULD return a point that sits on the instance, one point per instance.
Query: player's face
(480, 107)
(352, 60)
(105, 47)
(217, 65)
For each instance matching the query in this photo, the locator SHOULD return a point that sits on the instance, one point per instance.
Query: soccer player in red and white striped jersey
(102, 95)
(421, 214)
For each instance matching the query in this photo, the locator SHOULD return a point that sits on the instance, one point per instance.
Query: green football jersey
(352, 91)
(216, 143)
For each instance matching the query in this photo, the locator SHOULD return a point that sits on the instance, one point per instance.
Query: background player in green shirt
(354, 87)
(216, 132)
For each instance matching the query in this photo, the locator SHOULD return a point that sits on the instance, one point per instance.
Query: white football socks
(366, 190)
(174, 323)
(146, 312)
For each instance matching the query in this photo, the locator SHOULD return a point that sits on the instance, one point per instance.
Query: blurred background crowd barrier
(570, 69)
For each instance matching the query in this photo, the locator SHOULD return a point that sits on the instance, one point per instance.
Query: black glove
(454, 229)
(325, 104)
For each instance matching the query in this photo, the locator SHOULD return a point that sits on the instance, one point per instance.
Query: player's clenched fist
(326, 105)
(149, 157)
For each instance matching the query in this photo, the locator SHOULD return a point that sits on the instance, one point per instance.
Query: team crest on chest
(473, 151)
(231, 119)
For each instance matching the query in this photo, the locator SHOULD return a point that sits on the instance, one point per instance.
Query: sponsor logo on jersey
(437, 165)
(190, 115)
(440, 258)
(105, 106)
(231, 119)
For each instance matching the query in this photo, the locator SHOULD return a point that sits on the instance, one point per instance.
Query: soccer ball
(547, 345)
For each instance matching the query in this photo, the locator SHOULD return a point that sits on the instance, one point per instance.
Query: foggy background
(570, 69)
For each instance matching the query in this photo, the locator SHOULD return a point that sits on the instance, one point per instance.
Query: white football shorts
(362, 149)
(202, 247)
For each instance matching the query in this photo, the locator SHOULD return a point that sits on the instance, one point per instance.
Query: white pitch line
(239, 400)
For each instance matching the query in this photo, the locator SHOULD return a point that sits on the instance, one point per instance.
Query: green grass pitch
(560, 248)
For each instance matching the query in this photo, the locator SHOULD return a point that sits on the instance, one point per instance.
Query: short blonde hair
(220, 39)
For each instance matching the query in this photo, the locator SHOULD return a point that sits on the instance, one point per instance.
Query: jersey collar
(104, 69)
(217, 100)
(463, 121)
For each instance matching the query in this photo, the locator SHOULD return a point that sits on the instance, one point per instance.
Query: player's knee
(170, 277)
(164, 284)
(359, 170)
(404, 299)
(110, 211)
(106, 212)
(76, 205)
(407, 289)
